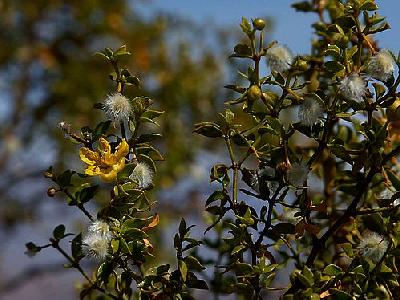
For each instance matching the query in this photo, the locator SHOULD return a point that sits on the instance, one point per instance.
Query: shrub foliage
(310, 190)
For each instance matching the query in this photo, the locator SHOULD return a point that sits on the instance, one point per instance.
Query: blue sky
(291, 28)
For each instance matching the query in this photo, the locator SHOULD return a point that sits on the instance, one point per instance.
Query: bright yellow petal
(118, 167)
(108, 160)
(104, 146)
(122, 150)
(88, 156)
(108, 177)
(93, 170)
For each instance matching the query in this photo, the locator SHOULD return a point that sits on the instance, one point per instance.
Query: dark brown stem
(351, 211)
(76, 265)
(83, 209)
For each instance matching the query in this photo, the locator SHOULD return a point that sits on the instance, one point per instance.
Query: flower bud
(302, 65)
(51, 192)
(48, 174)
(259, 24)
(254, 93)
(64, 127)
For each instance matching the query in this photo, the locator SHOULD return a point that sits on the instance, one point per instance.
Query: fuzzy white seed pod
(373, 246)
(310, 111)
(101, 228)
(117, 107)
(279, 58)
(142, 175)
(96, 245)
(353, 87)
(97, 240)
(381, 66)
(297, 174)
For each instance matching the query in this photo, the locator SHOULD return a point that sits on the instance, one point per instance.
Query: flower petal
(88, 156)
(119, 166)
(104, 146)
(122, 150)
(93, 170)
(108, 177)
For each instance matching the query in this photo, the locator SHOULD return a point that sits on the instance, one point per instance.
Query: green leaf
(101, 54)
(121, 51)
(108, 52)
(244, 288)
(333, 270)
(306, 281)
(149, 151)
(350, 52)
(148, 161)
(133, 80)
(218, 196)
(369, 6)
(238, 249)
(266, 279)
(197, 284)
(239, 139)
(64, 179)
(148, 137)
(348, 249)
(76, 247)
(243, 269)
(334, 66)
(344, 115)
(304, 6)
(393, 179)
(177, 241)
(129, 230)
(163, 269)
(242, 50)
(183, 269)
(135, 234)
(152, 114)
(333, 51)
(208, 129)
(245, 25)
(228, 116)
(59, 232)
(340, 152)
(385, 269)
(182, 228)
(285, 228)
(115, 246)
(308, 273)
(104, 271)
(193, 263)
(136, 223)
(340, 295)
(86, 194)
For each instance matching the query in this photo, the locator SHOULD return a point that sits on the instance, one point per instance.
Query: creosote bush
(313, 199)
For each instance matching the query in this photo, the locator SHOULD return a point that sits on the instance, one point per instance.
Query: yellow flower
(104, 163)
